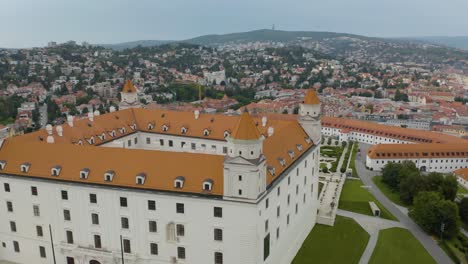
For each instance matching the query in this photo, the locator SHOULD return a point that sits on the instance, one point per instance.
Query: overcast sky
(26, 23)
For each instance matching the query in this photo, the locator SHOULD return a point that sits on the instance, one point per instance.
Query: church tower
(244, 164)
(129, 97)
(309, 116)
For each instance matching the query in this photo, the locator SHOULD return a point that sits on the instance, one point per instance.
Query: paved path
(428, 243)
(372, 225)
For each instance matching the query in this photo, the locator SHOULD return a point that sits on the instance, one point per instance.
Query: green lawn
(461, 190)
(398, 245)
(356, 199)
(343, 243)
(391, 195)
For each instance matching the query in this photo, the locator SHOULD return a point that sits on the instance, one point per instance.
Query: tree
(410, 186)
(391, 175)
(463, 209)
(430, 211)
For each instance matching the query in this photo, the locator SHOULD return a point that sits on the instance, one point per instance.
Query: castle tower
(129, 96)
(309, 116)
(244, 164)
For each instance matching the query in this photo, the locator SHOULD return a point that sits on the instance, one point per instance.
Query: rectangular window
(92, 198)
(289, 198)
(66, 215)
(69, 237)
(218, 234)
(135, 141)
(171, 143)
(266, 203)
(180, 230)
(39, 231)
(9, 206)
(126, 246)
(148, 140)
(36, 210)
(218, 258)
(42, 252)
(287, 219)
(152, 226)
(278, 191)
(180, 208)
(266, 226)
(278, 211)
(12, 226)
(129, 142)
(151, 205)
(193, 146)
(95, 219)
(218, 212)
(124, 222)
(225, 150)
(34, 190)
(277, 232)
(6, 186)
(64, 195)
(16, 246)
(266, 247)
(97, 241)
(161, 142)
(123, 202)
(154, 249)
(296, 208)
(181, 252)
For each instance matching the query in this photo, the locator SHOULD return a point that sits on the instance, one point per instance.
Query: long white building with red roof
(157, 186)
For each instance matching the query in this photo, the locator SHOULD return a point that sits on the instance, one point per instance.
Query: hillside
(133, 44)
(460, 42)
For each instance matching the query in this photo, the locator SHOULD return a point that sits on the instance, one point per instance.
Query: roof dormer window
(133, 126)
(206, 132)
(79, 143)
(179, 182)
(150, 126)
(271, 169)
(91, 141)
(165, 128)
(109, 175)
(291, 154)
(55, 171)
(183, 130)
(208, 185)
(2, 164)
(112, 133)
(140, 178)
(122, 130)
(299, 147)
(84, 173)
(282, 161)
(102, 137)
(308, 140)
(25, 167)
(226, 134)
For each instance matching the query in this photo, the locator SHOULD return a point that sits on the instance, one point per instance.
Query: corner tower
(244, 164)
(309, 116)
(129, 96)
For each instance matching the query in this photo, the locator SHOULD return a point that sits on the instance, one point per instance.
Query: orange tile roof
(405, 134)
(415, 151)
(128, 87)
(311, 97)
(462, 173)
(288, 134)
(245, 128)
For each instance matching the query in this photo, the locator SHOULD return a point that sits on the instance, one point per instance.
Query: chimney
(197, 114)
(59, 130)
(112, 109)
(91, 116)
(50, 139)
(264, 121)
(49, 129)
(270, 131)
(70, 120)
(97, 113)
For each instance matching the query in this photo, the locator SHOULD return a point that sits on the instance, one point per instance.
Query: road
(366, 176)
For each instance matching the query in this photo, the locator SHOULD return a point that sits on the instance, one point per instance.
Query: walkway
(372, 225)
(366, 176)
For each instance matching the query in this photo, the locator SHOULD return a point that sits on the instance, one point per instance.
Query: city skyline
(36, 23)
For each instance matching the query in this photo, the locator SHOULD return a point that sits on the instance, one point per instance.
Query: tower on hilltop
(129, 96)
(245, 164)
(309, 116)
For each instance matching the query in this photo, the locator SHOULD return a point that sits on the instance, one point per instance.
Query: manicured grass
(391, 195)
(398, 245)
(356, 199)
(343, 243)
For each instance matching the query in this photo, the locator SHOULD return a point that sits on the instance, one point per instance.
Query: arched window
(55, 171)
(183, 130)
(208, 185)
(102, 137)
(109, 175)
(25, 167)
(133, 126)
(140, 178)
(165, 128)
(84, 173)
(112, 133)
(179, 182)
(206, 132)
(226, 134)
(122, 130)
(150, 126)
(2, 164)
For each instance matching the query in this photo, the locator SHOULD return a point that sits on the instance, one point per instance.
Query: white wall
(444, 165)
